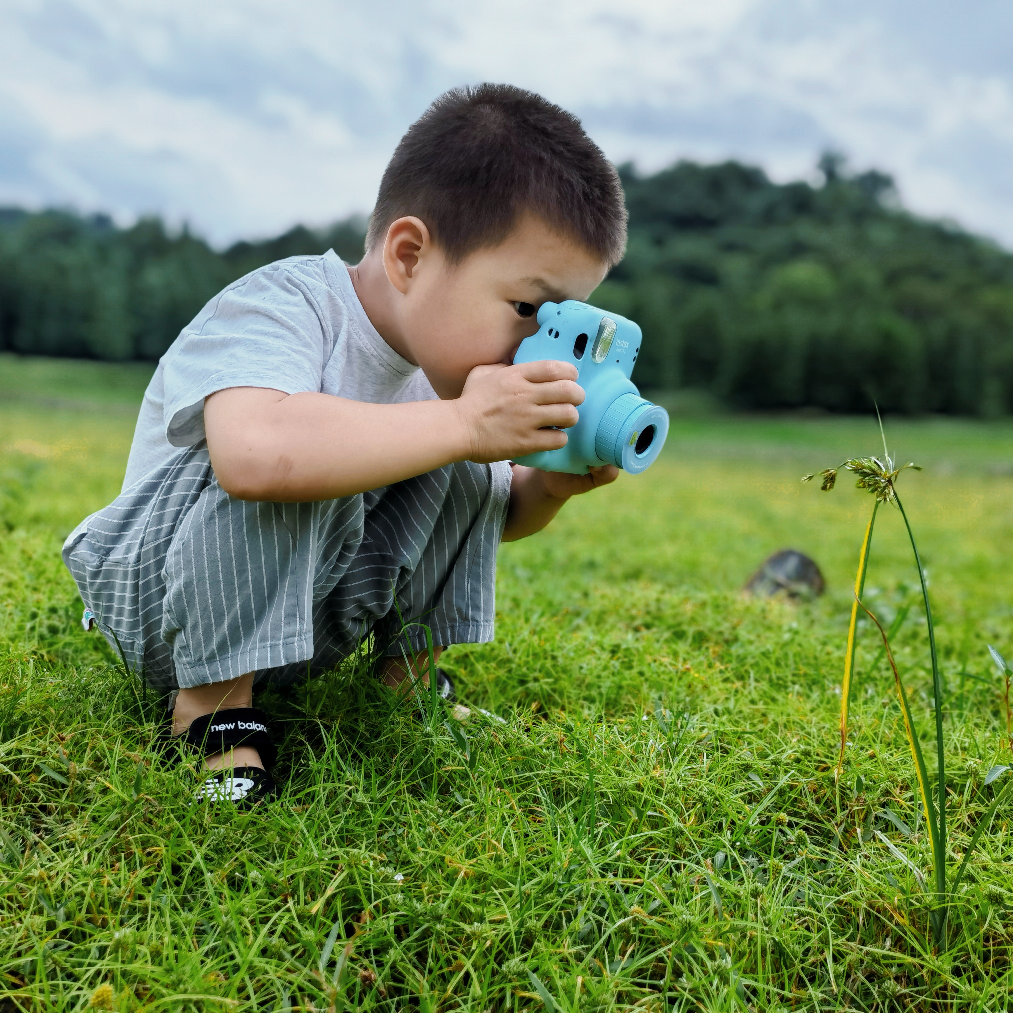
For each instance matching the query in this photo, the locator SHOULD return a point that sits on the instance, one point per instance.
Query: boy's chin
(447, 389)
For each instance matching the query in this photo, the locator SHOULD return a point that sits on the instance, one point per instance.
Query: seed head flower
(829, 476)
(875, 475)
(102, 997)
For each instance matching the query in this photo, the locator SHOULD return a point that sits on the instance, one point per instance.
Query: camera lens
(631, 433)
(644, 440)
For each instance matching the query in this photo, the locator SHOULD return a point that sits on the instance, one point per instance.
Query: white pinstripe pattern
(199, 587)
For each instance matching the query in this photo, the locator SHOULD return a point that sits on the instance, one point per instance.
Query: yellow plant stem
(849, 657)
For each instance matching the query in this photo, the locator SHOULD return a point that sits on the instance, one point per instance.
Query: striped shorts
(195, 587)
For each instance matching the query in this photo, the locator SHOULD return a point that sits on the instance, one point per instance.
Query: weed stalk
(880, 478)
(937, 706)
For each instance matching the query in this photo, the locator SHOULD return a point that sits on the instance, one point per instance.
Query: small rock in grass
(787, 572)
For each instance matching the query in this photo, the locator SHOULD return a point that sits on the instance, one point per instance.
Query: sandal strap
(445, 686)
(241, 726)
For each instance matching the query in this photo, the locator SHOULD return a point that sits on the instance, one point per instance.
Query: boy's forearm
(531, 505)
(308, 447)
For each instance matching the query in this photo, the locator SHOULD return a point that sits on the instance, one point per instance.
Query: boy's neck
(377, 296)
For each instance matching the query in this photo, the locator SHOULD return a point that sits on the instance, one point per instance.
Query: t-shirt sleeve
(263, 331)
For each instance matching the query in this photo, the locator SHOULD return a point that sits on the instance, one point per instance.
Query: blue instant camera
(616, 425)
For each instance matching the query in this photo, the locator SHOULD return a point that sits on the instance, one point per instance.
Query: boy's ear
(407, 242)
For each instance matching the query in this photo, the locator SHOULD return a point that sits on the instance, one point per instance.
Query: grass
(657, 823)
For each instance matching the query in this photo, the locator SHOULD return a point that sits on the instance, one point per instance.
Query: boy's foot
(237, 747)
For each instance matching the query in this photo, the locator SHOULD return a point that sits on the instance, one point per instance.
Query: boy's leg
(448, 584)
(395, 674)
(234, 693)
(425, 554)
(209, 699)
(202, 590)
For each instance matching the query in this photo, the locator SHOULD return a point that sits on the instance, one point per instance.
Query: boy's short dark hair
(480, 156)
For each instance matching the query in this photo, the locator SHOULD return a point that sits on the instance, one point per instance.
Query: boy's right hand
(510, 411)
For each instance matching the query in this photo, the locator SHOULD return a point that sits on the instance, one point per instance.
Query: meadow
(641, 811)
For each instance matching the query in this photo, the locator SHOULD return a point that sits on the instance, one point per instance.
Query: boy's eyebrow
(549, 290)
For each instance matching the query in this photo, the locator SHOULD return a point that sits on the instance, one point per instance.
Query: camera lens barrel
(631, 433)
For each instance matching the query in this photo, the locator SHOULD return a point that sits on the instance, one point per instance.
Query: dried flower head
(874, 475)
(829, 476)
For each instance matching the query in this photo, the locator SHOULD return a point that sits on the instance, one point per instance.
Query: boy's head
(494, 201)
(480, 157)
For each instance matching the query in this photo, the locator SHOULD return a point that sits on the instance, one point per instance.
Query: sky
(243, 117)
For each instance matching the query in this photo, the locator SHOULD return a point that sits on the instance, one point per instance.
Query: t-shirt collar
(361, 322)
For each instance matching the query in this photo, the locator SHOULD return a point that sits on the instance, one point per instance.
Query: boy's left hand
(536, 496)
(562, 485)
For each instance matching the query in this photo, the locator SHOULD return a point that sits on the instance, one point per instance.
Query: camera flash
(603, 342)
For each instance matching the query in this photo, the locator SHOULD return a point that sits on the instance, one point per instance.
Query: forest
(765, 295)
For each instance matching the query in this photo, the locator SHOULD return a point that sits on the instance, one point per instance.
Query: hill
(768, 295)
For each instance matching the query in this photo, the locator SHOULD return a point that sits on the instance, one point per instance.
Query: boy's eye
(524, 309)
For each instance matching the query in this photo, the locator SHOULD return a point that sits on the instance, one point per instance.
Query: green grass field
(655, 823)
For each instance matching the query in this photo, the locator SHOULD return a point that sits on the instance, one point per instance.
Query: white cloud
(245, 117)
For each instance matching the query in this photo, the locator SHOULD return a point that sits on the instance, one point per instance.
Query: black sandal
(444, 690)
(211, 734)
(445, 687)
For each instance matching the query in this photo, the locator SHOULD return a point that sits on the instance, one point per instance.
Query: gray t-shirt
(295, 325)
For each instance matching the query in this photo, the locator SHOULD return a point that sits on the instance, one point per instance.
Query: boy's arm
(268, 445)
(537, 496)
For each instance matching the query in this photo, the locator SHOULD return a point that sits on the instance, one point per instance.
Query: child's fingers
(558, 392)
(547, 370)
(545, 439)
(564, 415)
(604, 475)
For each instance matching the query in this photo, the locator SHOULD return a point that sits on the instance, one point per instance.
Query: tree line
(767, 295)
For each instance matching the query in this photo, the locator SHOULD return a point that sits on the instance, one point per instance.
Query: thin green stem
(937, 693)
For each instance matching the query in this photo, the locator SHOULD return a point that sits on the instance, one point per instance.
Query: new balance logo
(243, 726)
(232, 789)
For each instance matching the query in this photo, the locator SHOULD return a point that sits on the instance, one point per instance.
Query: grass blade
(434, 690)
(901, 857)
(981, 827)
(544, 994)
(938, 856)
(53, 774)
(1000, 663)
(898, 622)
(325, 953)
(995, 772)
(714, 893)
(937, 694)
(849, 657)
(896, 821)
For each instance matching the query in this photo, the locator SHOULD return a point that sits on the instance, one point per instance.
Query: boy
(325, 447)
